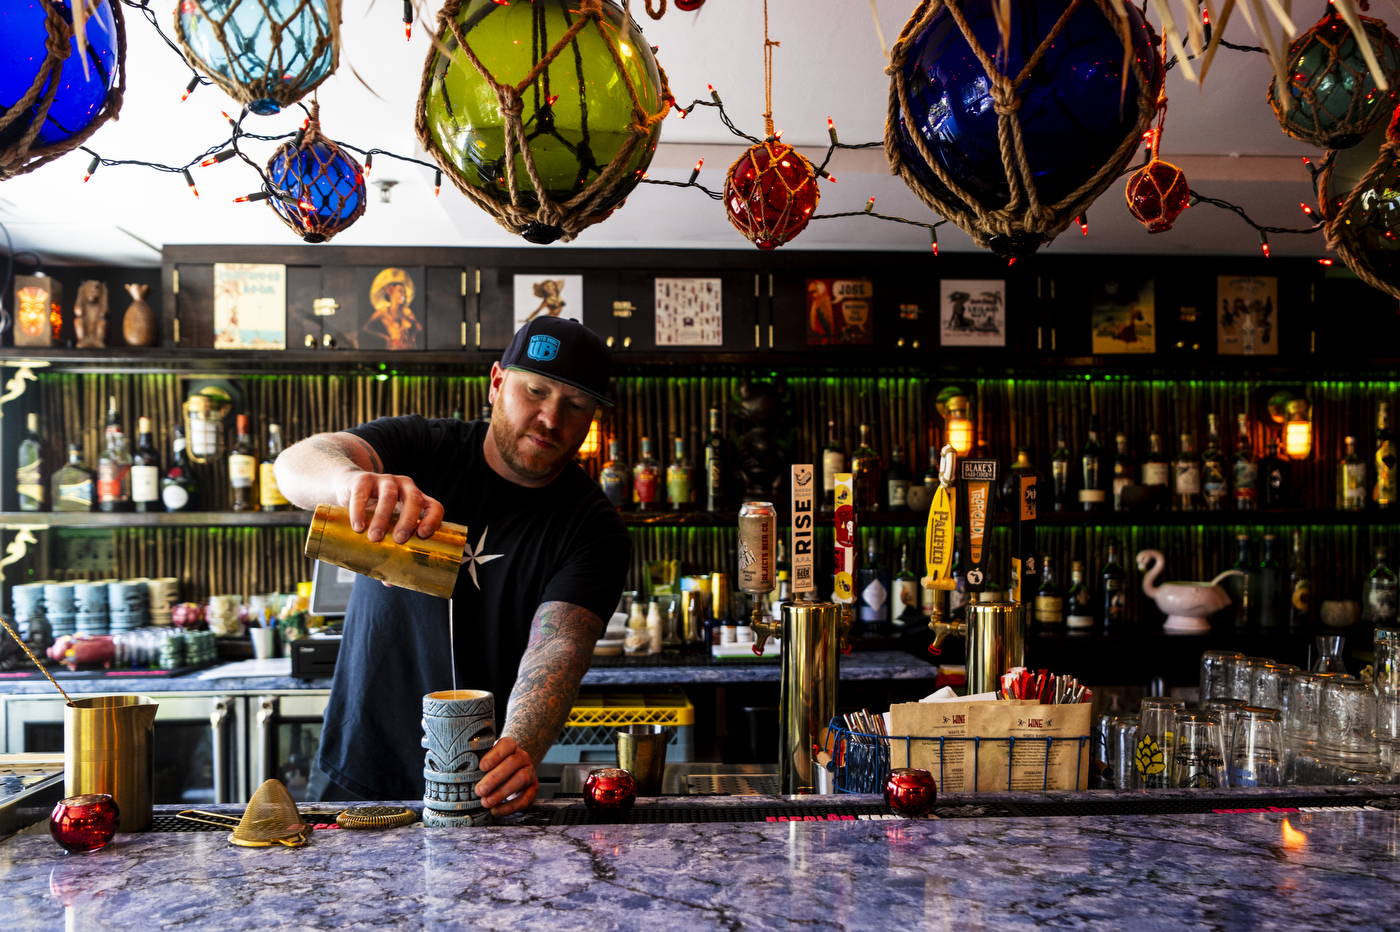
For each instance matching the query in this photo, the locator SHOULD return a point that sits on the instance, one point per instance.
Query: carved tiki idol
(90, 314)
(459, 726)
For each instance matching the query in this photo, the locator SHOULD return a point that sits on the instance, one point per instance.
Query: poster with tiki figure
(391, 308)
(1124, 316)
(840, 312)
(972, 312)
(1247, 321)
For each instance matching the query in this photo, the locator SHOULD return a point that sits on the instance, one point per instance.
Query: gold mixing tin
(108, 748)
(429, 565)
(369, 817)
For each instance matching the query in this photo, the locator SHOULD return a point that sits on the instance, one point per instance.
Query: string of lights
(196, 79)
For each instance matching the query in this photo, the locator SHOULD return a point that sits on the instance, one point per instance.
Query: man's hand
(509, 773)
(359, 488)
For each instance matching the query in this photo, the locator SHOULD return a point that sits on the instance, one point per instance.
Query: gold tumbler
(108, 748)
(429, 565)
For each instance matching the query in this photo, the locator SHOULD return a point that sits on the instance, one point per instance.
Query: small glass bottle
(29, 474)
(177, 488)
(873, 588)
(1157, 473)
(931, 476)
(270, 497)
(904, 607)
(898, 478)
(1079, 603)
(1271, 582)
(1091, 494)
(1380, 599)
(865, 469)
(1059, 471)
(1115, 593)
(1244, 469)
(1215, 488)
(680, 480)
(1276, 479)
(1385, 492)
(72, 485)
(1049, 602)
(613, 477)
(716, 476)
(243, 469)
(1299, 586)
(1351, 479)
(1124, 471)
(145, 470)
(1241, 587)
(1187, 496)
(646, 480)
(833, 462)
(114, 466)
(958, 597)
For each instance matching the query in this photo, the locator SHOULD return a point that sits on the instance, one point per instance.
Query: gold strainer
(271, 818)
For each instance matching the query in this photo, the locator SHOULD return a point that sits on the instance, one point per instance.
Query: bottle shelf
(104, 519)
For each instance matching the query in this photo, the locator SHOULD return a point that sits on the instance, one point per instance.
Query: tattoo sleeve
(559, 652)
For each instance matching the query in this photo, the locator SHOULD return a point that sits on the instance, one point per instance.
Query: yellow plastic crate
(632, 709)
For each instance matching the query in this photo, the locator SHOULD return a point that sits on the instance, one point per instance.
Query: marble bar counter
(868, 665)
(1264, 869)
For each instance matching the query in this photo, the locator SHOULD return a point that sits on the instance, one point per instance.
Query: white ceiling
(829, 64)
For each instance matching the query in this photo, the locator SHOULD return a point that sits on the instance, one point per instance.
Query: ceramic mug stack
(59, 606)
(126, 605)
(161, 596)
(29, 604)
(459, 726)
(90, 600)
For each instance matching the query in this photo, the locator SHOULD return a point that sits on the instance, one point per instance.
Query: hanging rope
(22, 156)
(768, 46)
(1025, 216)
(548, 220)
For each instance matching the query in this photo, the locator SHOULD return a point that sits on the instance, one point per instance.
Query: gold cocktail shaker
(108, 748)
(428, 565)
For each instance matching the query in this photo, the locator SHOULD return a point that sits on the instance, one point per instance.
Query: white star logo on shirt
(473, 557)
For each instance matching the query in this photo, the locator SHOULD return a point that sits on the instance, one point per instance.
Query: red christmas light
(1156, 194)
(770, 194)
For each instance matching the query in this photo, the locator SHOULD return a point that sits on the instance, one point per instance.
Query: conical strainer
(271, 818)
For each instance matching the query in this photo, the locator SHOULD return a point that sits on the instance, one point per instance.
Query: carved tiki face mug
(459, 726)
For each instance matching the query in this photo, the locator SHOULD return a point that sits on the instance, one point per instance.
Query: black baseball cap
(565, 351)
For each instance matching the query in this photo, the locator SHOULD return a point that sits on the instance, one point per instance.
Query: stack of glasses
(58, 599)
(126, 604)
(90, 600)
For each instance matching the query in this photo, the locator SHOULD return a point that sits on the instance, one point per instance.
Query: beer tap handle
(763, 630)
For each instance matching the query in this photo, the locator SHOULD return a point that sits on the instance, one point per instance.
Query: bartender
(545, 563)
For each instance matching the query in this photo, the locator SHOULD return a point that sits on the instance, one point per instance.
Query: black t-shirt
(560, 543)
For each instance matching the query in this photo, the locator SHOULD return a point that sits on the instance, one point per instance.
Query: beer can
(719, 596)
(758, 541)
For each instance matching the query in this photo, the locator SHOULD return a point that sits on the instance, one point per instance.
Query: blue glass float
(79, 97)
(266, 54)
(1074, 114)
(328, 184)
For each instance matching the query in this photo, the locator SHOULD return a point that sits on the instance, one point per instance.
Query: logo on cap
(543, 348)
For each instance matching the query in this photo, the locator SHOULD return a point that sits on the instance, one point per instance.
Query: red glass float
(1156, 194)
(770, 193)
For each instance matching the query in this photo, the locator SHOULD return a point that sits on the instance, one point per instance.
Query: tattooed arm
(343, 469)
(562, 637)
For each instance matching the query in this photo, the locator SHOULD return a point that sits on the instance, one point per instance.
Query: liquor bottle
(1276, 479)
(1059, 471)
(1244, 471)
(177, 489)
(874, 587)
(1242, 587)
(833, 461)
(1124, 471)
(904, 607)
(613, 477)
(957, 598)
(1299, 585)
(1385, 491)
(1049, 602)
(114, 466)
(716, 468)
(1215, 487)
(1091, 495)
(1351, 479)
(243, 469)
(1271, 612)
(1115, 593)
(865, 467)
(1157, 473)
(931, 476)
(1079, 603)
(72, 485)
(1380, 599)
(1011, 482)
(29, 475)
(270, 497)
(486, 413)
(646, 480)
(1188, 477)
(897, 481)
(680, 480)
(145, 470)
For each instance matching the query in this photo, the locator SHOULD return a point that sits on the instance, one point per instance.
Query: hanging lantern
(1359, 201)
(1332, 98)
(544, 114)
(55, 91)
(262, 56)
(1013, 148)
(1156, 193)
(326, 181)
(770, 193)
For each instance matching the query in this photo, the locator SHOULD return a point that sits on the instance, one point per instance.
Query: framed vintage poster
(1247, 324)
(688, 312)
(250, 306)
(548, 295)
(972, 312)
(391, 302)
(1124, 316)
(840, 311)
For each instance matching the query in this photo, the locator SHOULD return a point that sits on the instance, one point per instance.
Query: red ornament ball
(688, 6)
(609, 790)
(770, 193)
(1156, 193)
(910, 792)
(84, 823)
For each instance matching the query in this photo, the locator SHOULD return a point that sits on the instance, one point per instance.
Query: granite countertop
(1299, 871)
(869, 665)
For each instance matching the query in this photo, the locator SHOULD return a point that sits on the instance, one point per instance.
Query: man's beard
(508, 438)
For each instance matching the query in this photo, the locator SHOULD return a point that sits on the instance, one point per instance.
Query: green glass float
(545, 114)
(1332, 97)
(1360, 205)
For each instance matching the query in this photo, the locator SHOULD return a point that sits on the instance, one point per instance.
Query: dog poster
(1247, 324)
(972, 312)
(392, 302)
(1124, 316)
(250, 306)
(840, 311)
(548, 295)
(688, 312)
